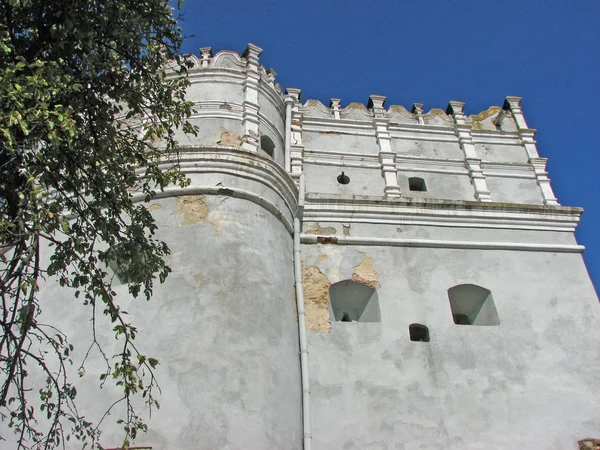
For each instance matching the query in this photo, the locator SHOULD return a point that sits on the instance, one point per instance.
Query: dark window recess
(417, 184)
(418, 332)
(266, 144)
(346, 318)
(461, 319)
(343, 178)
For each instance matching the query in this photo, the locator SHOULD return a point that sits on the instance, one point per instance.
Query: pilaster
(296, 147)
(513, 104)
(387, 157)
(250, 122)
(527, 135)
(472, 162)
(417, 110)
(334, 104)
(206, 53)
(539, 168)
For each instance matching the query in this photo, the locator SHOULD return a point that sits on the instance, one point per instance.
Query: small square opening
(418, 332)
(417, 184)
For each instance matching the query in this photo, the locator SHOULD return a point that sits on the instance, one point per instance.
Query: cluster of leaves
(87, 110)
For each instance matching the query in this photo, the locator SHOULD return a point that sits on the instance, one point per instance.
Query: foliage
(87, 110)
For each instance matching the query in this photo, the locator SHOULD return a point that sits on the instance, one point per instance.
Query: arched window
(352, 301)
(472, 305)
(418, 332)
(417, 184)
(266, 144)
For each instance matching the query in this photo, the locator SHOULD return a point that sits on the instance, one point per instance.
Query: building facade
(361, 277)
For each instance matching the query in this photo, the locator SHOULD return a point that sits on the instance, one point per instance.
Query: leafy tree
(87, 110)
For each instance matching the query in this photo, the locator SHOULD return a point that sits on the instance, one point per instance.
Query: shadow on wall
(267, 145)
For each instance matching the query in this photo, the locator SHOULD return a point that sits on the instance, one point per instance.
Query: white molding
(216, 76)
(400, 219)
(210, 114)
(436, 243)
(424, 136)
(508, 170)
(401, 169)
(481, 138)
(274, 97)
(218, 105)
(232, 161)
(341, 163)
(337, 126)
(370, 209)
(223, 190)
(333, 154)
(272, 127)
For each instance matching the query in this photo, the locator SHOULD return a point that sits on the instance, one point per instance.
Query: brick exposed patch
(230, 138)
(589, 444)
(365, 272)
(317, 229)
(192, 207)
(316, 298)
(153, 207)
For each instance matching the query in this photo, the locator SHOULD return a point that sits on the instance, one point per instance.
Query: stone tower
(440, 294)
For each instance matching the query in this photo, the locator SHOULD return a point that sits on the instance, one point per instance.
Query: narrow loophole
(346, 318)
(418, 332)
(343, 178)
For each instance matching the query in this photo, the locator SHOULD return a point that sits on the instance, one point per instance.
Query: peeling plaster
(218, 221)
(317, 229)
(200, 278)
(321, 258)
(153, 207)
(365, 272)
(346, 229)
(193, 208)
(316, 298)
(230, 138)
(327, 240)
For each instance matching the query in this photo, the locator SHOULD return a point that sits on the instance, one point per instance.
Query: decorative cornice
(203, 159)
(441, 212)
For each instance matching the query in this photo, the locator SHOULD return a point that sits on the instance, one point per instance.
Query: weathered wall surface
(223, 326)
(529, 382)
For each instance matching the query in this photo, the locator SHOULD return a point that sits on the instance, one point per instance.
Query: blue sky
(478, 52)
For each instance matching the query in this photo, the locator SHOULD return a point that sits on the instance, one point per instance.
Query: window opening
(266, 144)
(418, 332)
(472, 305)
(343, 178)
(417, 184)
(461, 319)
(352, 301)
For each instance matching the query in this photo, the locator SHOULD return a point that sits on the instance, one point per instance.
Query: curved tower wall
(237, 104)
(223, 325)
